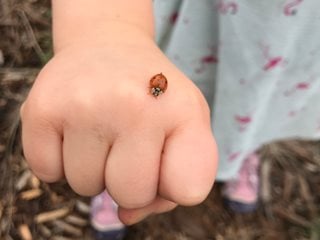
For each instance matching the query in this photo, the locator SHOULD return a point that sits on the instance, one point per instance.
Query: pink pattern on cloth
(300, 86)
(173, 18)
(208, 59)
(227, 7)
(272, 62)
(257, 79)
(290, 7)
(233, 156)
(295, 112)
(243, 121)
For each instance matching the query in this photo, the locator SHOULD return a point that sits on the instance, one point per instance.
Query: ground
(290, 169)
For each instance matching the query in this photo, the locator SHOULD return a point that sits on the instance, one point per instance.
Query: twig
(32, 37)
(82, 207)
(68, 228)
(25, 232)
(305, 193)
(265, 181)
(61, 238)
(22, 181)
(44, 230)
(51, 215)
(6, 12)
(31, 194)
(76, 220)
(293, 218)
(1, 58)
(34, 181)
(288, 185)
(1, 210)
(18, 72)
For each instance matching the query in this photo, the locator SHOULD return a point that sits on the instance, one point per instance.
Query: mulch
(30, 209)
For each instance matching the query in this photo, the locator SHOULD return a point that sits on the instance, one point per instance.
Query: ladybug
(158, 84)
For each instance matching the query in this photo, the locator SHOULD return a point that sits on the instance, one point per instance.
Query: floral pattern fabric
(256, 62)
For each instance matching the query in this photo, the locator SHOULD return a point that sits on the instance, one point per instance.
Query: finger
(85, 151)
(132, 216)
(42, 143)
(188, 165)
(133, 167)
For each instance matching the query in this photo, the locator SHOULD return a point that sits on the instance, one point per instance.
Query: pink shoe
(104, 217)
(241, 194)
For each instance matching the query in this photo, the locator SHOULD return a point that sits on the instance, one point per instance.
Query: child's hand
(90, 117)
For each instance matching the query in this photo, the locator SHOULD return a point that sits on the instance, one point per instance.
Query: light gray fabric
(257, 63)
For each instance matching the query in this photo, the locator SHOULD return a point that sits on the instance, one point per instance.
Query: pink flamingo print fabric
(256, 62)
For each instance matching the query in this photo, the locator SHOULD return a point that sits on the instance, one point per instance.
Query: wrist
(100, 20)
(108, 34)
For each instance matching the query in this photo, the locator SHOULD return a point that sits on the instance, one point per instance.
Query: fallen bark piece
(31, 194)
(24, 232)
(68, 228)
(51, 215)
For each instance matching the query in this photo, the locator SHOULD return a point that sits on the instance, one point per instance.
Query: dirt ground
(30, 209)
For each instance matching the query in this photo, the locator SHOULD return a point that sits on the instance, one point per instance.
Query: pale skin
(90, 118)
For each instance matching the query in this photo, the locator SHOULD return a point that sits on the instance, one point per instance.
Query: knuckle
(38, 111)
(132, 95)
(82, 105)
(83, 101)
